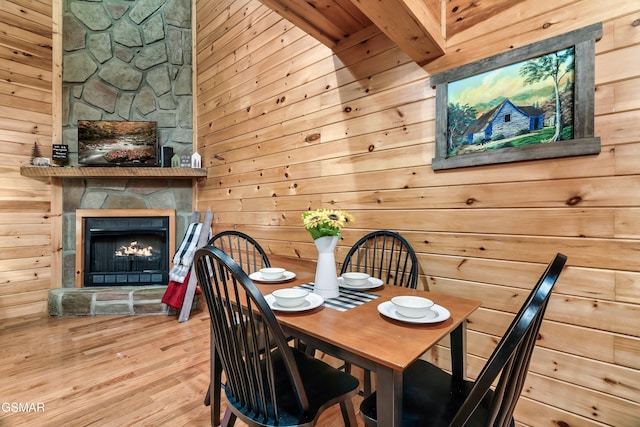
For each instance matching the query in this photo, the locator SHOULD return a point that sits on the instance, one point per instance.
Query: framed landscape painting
(117, 143)
(531, 103)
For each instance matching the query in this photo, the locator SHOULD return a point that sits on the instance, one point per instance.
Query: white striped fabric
(348, 298)
(184, 255)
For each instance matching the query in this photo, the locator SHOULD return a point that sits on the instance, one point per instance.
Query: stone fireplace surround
(128, 60)
(109, 194)
(124, 61)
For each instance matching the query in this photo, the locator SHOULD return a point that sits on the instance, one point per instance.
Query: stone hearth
(109, 301)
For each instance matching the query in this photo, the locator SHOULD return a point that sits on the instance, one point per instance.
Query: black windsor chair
(433, 397)
(250, 256)
(281, 386)
(246, 251)
(385, 255)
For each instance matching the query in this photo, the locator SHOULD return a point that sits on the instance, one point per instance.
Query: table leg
(389, 396)
(459, 351)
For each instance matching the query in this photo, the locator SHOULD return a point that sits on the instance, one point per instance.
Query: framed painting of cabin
(534, 102)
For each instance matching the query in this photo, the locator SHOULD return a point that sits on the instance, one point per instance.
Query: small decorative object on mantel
(41, 161)
(196, 160)
(185, 159)
(36, 157)
(60, 154)
(35, 151)
(166, 153)
(175, 161)
(325, 226)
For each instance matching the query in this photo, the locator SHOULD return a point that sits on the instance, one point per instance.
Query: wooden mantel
(112, 172)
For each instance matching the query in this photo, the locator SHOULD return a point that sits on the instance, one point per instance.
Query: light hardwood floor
(109, 371)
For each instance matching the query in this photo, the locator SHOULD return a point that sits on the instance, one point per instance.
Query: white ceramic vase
(326, 281)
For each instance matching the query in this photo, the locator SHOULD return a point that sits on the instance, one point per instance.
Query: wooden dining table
(364, 337)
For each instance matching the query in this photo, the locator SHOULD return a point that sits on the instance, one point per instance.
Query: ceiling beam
(414, 25)
(302, 15)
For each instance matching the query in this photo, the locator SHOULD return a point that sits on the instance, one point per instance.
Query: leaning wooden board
(185, 311)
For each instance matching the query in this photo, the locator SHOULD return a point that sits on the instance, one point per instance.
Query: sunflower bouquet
(326, 222)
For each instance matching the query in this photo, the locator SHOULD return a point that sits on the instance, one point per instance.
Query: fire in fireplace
(126, 251)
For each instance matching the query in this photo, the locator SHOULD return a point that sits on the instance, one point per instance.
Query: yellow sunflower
(326, 222)
(311, 221)
(335, 219)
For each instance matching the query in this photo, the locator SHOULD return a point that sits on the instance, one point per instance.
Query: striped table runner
(347, 299)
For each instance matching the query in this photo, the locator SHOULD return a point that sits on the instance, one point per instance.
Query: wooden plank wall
(25, 119)
(284, 125)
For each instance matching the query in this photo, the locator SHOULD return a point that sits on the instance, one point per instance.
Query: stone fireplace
(123, 61)
(138, 196)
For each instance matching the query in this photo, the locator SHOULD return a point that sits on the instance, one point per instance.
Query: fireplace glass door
(126, 251)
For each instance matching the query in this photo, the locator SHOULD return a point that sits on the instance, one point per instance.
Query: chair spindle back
(385, 255)
(242, 248)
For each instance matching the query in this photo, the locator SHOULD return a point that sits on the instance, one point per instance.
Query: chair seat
(324, 385)
(431, 397)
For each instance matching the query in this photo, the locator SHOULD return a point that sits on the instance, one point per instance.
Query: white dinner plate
(286, 276)
(387, 309)
(373, 283)
(311, 301)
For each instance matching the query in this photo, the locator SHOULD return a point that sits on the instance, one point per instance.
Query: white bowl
(353, 278)
(411, 306)
(272, 273)
(290, 297)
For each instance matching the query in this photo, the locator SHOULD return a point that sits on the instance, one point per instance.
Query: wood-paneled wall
(26, 99)
(284, 125)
